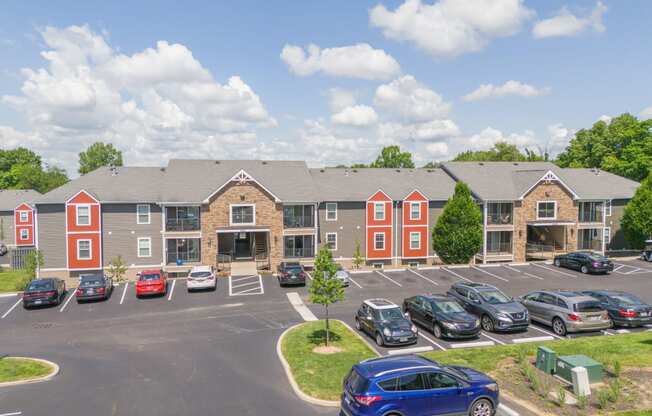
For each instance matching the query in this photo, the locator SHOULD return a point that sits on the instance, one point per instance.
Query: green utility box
(546, 359)
(567, 362)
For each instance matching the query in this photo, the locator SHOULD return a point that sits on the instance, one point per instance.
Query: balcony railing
(299, 252)
(587, 217)
(182, 257)
(499, 248)
(182, 224)
(307, 221)
(592, 245)
(499, 219)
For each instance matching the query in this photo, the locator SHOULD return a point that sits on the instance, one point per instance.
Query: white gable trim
(425, 198)
(382, 192)
(550, 177)
(87, 193)
(241, 177)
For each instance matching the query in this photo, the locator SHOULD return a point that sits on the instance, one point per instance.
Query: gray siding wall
(120, 233)
(7, 227)
(618, 241)
(51, 224)
(435, 209)
(350, 226)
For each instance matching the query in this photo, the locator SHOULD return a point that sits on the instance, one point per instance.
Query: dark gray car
(496, 310)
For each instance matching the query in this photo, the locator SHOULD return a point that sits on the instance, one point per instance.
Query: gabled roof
(11, 198)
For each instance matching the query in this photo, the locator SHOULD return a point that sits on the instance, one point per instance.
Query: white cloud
(451, 27)
(356, 115)
(511, 87)
(566, 23)
(339, 99)
(490, 136)
(605, 118)
(409, 100)
(559, 137)
(324, 145)
(438, 150)
(355, 61)
(646, 113)
(389, 133)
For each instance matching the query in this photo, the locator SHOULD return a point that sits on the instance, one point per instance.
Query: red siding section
(418, 224)
(379, 226)
(75, 232)
(25, 228)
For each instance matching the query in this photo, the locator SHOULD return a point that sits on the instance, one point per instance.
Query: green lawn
(635, 413)
(14, 369)
(320, 375)
(12, 280)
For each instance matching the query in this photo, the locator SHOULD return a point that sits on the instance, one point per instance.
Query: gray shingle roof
(11, 198)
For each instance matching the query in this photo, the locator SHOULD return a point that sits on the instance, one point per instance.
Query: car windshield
(449, 306)
(149, 276)
(588, 306)
(628, 299)
(494, 297)
(40, 285)
(93, 281)
(293, 269)
(456, 372)
(200, 274)
(390, 314)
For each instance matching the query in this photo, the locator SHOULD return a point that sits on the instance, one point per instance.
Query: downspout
(395, 227)
(316, 238)
(604, 225)
(484, 233)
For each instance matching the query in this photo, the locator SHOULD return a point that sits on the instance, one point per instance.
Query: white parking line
(423, 277)
(409, 350)
(354, 282)
(553, 270)
(390, 279)
(431, 341)
(11, 309)
(309, 275)
(259, 288)
(244, 284)
(490, 274)
(300, 307)
(124, 292)
(70, 296)
(11, 414)
(492, 338)
(533, 275)
(514, 269)
(536, 328)
(174, 282)
(456, 274)
(472, 344)
(532, 339)
(507, 411)
(620, 266)
(622, 331)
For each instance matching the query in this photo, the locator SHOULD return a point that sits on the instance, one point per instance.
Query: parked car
(586, 262)
(496, 310)
(3, 249)
(566, 311)
(151, 282)
(384, 321)
(94, 287)
(342, 275)
(201, 277)
(415, 385)
(624, 308)
(291, 273)
(46, 291)
(645, 255)
(443, 315)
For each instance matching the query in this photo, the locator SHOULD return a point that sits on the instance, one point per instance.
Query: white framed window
(415, 210)
(83, 214)
(379, 211)
(415, 241)
(606, 237)
(243, 214)
(144, 247)
(24, 216)
(331, 241)
(24, 234)
(379, 241)
(547, 210)
(143, 214)
(331, 211)
(607, 207)
(84, 249)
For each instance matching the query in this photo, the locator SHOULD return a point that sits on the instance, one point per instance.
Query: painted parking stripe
(70, 296)
(431, 341)
(174, 282)
(456, 274)
(11, 309)
(240, 279)
(244, 284)
(300, 307)
(514, 269)
(504, 410)
(553, 270)
(536, 328)
(354, 282)
(492, 338)
(309, 275)
(124, 292)
(11, 414)
(620, 266)
(532, 339)
(389, 278)
(533, 275)
(490, 274)
(246, 291)
(472, 344)
(622, 331)
(257, 289)
(409, 350)
(424, 277)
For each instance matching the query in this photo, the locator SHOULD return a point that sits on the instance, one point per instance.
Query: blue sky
(570, 62)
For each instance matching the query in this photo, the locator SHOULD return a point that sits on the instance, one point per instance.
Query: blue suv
(411, 385)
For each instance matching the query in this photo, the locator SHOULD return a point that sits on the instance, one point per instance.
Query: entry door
(242, 242)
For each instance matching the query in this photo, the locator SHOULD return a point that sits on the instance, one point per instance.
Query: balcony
(300, 252)
(590, 212)
(299, 216)
(499, 219)
(182, 224)
(187, 257)
(502, 248)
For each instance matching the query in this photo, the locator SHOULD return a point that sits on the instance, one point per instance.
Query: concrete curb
(9, 294)
(53, 373)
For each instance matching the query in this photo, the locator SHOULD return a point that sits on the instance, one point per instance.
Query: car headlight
(477, 322)
(414, 329)
(503, 317)
(449, 325)
(492, 387)
(387, 332)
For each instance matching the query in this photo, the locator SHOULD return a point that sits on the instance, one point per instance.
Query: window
(589, 239)
(183, 250)
(182, 218)
(411, 382)
(499, 213)
(546, 210)
(331, 211)
(331, 241)
(243, 214)
(298, 246)
(143, 214)
(607, 237)
(499, 242)
(388, 385)
(379, 211)
(24, 217)
(591, 211)
(83, 249)
(415, 241)
(548, 298)
(607, 207)
(441, 381)
(145, 247)
(24, 234)
(415, 210)
(83, 215)
(299, 216)
(379, 241)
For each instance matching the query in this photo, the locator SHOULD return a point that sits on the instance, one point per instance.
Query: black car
(586, 262)
(46, 291)
(496, 310)
(94, 287)
(291, 273)
(443, 315)
(384, 321)
(624, 308)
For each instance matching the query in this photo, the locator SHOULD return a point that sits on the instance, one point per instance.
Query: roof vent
(355, 171)
(162, 169)
(481, 163)
(217, 162)
(264, 162)
(398, 170)
(322, 170)
(113, 169)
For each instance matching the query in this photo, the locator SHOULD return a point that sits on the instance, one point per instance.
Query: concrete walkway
(243, 268)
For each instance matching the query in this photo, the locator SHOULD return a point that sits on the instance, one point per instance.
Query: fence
(18, 256)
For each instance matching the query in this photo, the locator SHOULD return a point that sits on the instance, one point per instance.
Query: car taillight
(51, 293)
(574, 317)
(596, 264)
(367, 400)
(100, 290)
(626, 313)
(79, 292)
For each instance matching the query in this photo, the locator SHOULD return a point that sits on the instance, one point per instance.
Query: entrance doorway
(242, 246)
(546, 241)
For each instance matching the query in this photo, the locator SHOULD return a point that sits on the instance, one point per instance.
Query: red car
(151, 282)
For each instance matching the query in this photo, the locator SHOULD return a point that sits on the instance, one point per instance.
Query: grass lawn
(635, 413)
(14, 369)
(10, 280)
(321, 375)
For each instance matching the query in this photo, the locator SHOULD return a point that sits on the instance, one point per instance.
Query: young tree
(392, 157)
(358, 260)
(457, 236)
(325, 289)
(97, 155)
(117, 269)
(33, 262)
(637, 218)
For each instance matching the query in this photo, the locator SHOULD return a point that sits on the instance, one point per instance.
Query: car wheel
(584, 269)
(379, 340)
(487, 323)
(482, 407)
(557, 262)
(559, 327)
(436, 331)
(357, 325)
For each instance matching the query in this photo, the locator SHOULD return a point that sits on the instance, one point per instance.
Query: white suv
(201, 277)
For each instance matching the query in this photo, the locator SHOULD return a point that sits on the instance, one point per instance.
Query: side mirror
(407, 315)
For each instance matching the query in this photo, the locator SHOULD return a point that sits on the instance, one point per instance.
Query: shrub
(617, 368)
(615, 390)
(604, 397)
(561, 396)
(582, 401)
(358, 260)
(117, 269)
(521, 355)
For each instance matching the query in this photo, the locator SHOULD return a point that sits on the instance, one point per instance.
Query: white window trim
(331, 204)
(375, 247)
(20, 216)
(149, 214)
(418, 205)
(605, 242)
(242, 205)
(607, 207)
(376, 213)
(327, 242)
(419, 241)
(90, 250)
(77, 214)
(24, 234)
(554, 211)
(149, 246)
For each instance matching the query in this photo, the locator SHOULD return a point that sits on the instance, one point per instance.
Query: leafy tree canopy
(21, 168)
(97, 155)
(501, 152)
(637, 218)
(392, 157)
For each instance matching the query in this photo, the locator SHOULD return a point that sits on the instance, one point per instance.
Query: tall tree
(431, 165)
(500, 152)
(97, 155)
(21, 168)
(325, 289)
(392, 157)
(637, 218)
(622, 146)
(457, 236)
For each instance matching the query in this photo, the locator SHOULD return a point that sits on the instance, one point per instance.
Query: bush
(617, 368)
(561, 396)
(582, 401)
(604, 397)
(615, 390)
(521, 355)
(117, 269)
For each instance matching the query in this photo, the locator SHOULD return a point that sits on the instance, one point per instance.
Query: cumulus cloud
(451, 27)
(437, 150)
(355, 61)
(558, 138)
(565, 23)
(515, 88)
(356, 115)
(154, 104)
(646, 113)
(410, 100)
(490, 136)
